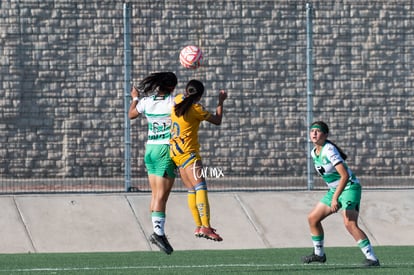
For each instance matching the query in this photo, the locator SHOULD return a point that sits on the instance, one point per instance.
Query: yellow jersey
(184, 132)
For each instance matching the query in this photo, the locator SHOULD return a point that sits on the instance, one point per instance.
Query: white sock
(369, 253)
(158, 224)
(318, 248)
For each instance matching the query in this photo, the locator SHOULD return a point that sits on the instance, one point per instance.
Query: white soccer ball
(191, 57)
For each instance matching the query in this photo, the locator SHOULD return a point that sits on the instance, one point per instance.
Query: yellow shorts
(183, 160)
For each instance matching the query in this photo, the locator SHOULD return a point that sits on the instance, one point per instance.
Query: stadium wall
(61, 84)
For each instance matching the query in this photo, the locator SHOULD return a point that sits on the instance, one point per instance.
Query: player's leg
(199, 202)
(199, 184)
(160, 194)
(351, 224)
(315, 217)
(191, 200)
(183, 160)
(164, 171)
(350, 200)
(161, 178)
(161, 188)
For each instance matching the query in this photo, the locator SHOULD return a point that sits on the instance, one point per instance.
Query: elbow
(132, 115)
(216, 122)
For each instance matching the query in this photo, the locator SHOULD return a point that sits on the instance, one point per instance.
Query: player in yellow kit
(186, 117)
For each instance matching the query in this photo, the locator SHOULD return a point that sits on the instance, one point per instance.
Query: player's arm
(216, 119)
(133, 112)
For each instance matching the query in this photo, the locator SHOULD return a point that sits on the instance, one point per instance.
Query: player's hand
(335, 206)
(222, 96)
(134, 92)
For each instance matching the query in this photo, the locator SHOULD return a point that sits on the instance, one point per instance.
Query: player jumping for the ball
(184, 149)
(156, 107)
(344, 193)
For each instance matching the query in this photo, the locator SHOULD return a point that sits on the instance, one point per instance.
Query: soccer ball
(191, 57)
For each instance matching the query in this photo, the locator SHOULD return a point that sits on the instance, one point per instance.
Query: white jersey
(325, 165)
(157, 110)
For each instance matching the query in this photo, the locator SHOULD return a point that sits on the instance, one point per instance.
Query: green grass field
(394, 260)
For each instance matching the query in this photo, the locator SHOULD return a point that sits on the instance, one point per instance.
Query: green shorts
(158, 161)
(349, 199)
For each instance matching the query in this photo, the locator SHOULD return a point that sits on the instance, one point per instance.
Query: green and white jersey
(157, 110)
(325, 165)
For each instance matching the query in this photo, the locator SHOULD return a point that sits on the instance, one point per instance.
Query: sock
(202, 203)
(318, 245)
(192, 205)
(366, 248)
(158, 221)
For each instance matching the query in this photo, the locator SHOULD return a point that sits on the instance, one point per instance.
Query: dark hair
(163, 82)
(325, 129)
(193, 91)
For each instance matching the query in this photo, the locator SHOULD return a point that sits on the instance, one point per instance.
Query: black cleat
(369, 263)
(162, 243)
(313, 258)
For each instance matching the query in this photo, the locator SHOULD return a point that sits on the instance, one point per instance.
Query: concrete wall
(245, 220)
(62, 98)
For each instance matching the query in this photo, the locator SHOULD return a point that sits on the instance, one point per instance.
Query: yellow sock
(191, 200)
(202, 203)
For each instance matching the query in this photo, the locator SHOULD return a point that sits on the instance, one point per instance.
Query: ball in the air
(191, 57)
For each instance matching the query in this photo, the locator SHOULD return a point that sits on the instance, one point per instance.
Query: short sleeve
(333, 155)
(200, 112)
(141, 106)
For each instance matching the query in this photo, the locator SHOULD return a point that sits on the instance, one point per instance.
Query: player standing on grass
(161, 169)
(186, 118)
(344, 193)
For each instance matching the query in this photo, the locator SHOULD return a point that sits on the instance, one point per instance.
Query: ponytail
(193, 92)
(343, 155)
(182, 107)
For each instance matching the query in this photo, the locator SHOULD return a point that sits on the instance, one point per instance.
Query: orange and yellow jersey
(184, 133)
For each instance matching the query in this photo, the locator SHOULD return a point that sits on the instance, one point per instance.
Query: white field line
(166, 267)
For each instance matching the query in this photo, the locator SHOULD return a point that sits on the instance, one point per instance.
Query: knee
(162, 197)
(351, 226)
(313, 219)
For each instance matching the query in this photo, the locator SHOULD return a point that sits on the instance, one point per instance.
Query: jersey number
(157, 127)
(320, 170)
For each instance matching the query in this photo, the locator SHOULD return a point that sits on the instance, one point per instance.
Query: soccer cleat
(162, 243)
(210, 234)
(369, 262)
(197, 232)
(313, 258)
